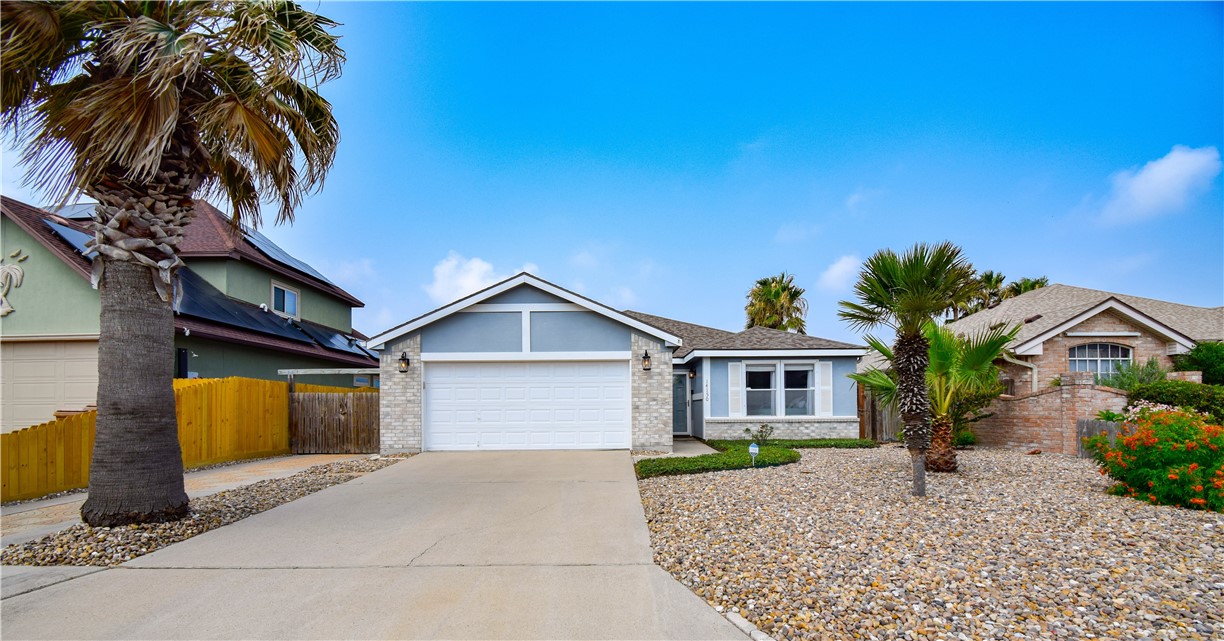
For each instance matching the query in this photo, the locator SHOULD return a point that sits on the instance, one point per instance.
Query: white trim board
(380, 341)
(433, 357)
(770, 353)
(1034, 346)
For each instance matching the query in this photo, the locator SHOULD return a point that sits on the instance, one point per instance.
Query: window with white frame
(799, 383)
(760, 390)
(780, 389)
(284, 300)
(1101, 359)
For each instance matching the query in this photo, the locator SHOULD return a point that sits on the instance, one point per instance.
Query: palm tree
(1023, 285)
(905, 293)
(775, 302)
(143, 106)
(959, 367)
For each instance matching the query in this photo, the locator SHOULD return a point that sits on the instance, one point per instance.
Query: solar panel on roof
(202, 300)
(269, 249)
(76, 211)
(73, 237)
(333, 339)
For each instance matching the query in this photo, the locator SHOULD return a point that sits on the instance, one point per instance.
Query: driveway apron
(488, 545)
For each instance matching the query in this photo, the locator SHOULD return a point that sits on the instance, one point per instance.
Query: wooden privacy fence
(331, 423)
(877, 421)
(1086, 427)
(218, 420)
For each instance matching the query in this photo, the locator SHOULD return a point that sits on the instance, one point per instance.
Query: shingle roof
(694, 336)
(204, 309)
(1056, 304)
(756, 338)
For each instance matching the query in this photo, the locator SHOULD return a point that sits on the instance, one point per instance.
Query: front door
(680, 422)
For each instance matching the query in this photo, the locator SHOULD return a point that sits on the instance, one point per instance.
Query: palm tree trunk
(942, 457)
(136, 474)
(910, 362)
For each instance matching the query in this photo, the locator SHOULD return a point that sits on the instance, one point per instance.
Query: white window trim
(818, 409)
(524, 356)
(1130, 356)
(297, 293)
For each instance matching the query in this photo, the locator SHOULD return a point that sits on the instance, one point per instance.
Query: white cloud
(625, 296)
(1162, 186)
(585, 260)
(840, 275)
(456, 277)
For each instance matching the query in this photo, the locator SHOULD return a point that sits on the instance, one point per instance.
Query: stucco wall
(577, 332)
(475, 332)
(253, 284)
(215, 359)
(53, 300)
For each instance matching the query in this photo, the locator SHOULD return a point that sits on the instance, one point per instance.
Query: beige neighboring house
(1068, 335)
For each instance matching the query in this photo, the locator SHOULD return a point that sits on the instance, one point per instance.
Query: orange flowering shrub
(1166, 456)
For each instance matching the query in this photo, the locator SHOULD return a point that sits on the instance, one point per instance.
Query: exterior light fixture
(692, 374)
(403, 362)
(646, 361)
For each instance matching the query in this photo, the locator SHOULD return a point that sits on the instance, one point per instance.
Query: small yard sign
(753, 450)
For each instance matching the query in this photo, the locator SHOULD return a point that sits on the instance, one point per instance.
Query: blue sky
(662, 157)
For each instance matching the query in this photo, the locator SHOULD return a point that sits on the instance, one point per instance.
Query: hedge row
(733, 455)
(1195, 396)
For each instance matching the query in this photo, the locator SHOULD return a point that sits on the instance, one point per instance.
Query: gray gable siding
(577, 332)
(474, 332)
(524, 294)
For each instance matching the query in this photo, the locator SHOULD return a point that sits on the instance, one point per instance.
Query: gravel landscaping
(84, 545)
(1013, 546)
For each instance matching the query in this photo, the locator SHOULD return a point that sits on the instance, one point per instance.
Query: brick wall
(652, 395)
(1046, 420)
(399, 419)
(836, 427)
(1193, 377)
(1052, 362)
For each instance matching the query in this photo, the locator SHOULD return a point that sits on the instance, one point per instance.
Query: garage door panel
(538, 405)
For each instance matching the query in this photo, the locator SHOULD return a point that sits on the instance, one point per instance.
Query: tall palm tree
(143, 106)
(1024, 285)
(905, 292)
(958, 367)
(777, 303)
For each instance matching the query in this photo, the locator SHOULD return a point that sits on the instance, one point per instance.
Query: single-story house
(1067, 329)
(525, 364)
(1068, 336)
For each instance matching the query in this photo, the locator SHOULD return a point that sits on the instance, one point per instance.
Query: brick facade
(723, 428)
(652, 394)
(1052, 363)
(1046, 420)
(399, 410)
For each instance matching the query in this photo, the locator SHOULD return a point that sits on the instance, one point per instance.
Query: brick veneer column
(399, 415)
(652, 395)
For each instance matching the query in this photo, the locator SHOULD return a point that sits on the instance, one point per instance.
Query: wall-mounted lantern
(692, 374)
(646, 361)
(403, 362)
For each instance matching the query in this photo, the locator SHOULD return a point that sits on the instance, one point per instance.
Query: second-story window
(284, 300)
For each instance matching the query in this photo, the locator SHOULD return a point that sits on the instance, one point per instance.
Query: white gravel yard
(1012, 546)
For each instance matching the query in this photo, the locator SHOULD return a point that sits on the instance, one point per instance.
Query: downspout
(1031, 367)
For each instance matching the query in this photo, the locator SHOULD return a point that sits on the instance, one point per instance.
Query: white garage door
(36, 379)
(527, 406)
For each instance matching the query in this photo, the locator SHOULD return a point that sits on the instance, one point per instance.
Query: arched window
(1100, 358)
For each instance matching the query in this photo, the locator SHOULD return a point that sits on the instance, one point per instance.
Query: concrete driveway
(490, 545)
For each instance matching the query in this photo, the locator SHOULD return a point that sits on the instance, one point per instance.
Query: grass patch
(807, 443)
(730, 458)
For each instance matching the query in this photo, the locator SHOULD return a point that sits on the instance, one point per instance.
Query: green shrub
(761, 435)
(1165, 457)
(1200, 397)
(964, 438)
(1129, 375)
(1111, 416)
(1207, 358)
(733, 458)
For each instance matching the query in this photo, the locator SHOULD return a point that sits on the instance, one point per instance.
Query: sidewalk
(29, 521)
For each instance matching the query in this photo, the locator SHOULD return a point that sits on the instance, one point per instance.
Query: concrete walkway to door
(491, 545)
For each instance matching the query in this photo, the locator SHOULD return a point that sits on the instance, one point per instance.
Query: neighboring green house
(247, 309)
